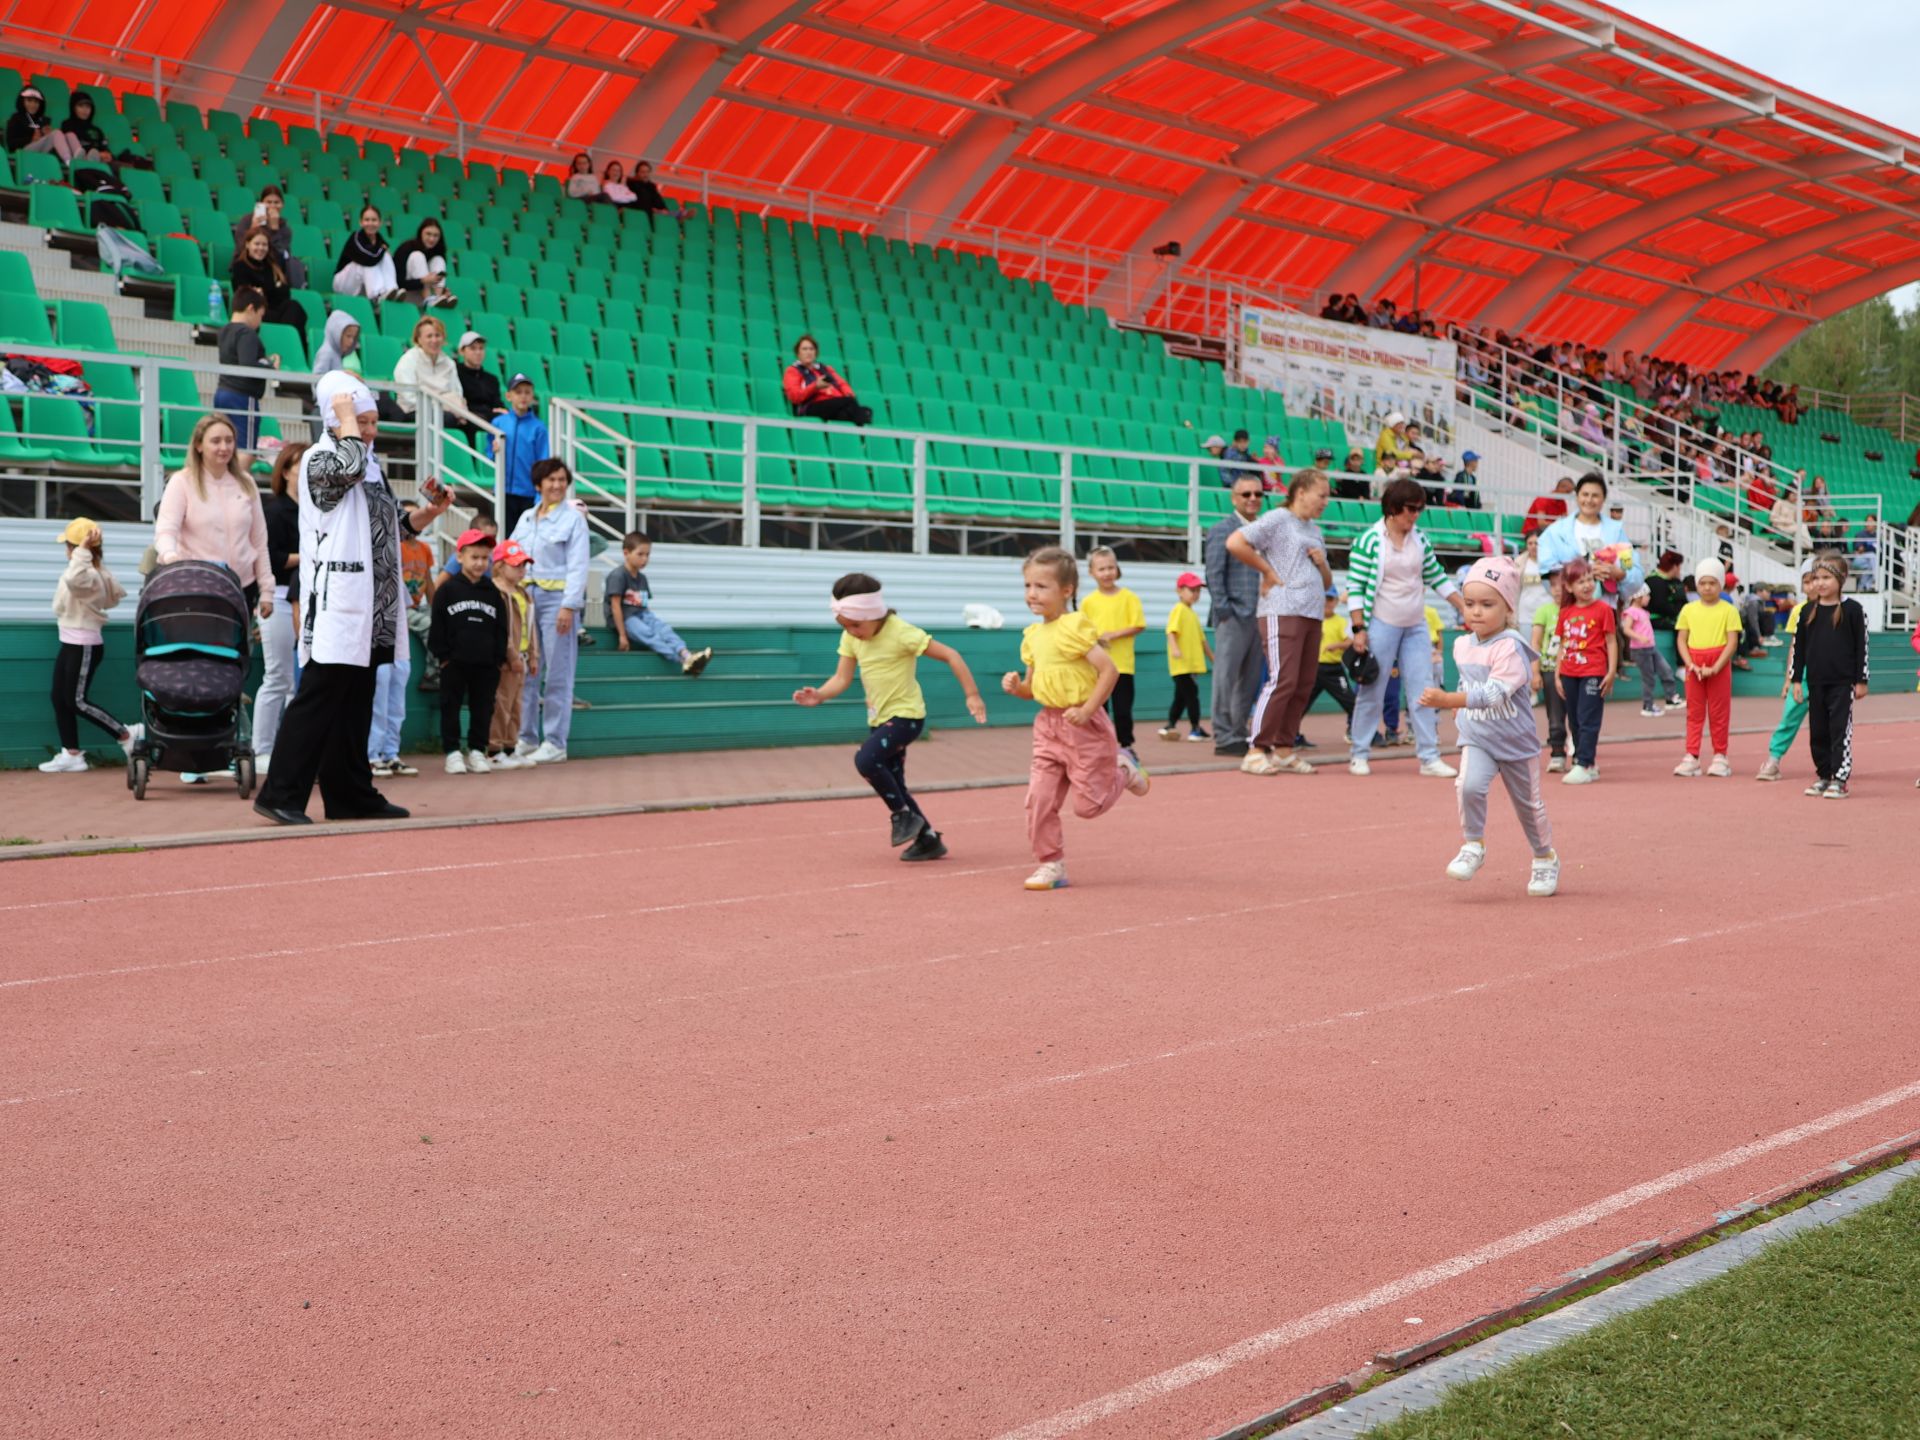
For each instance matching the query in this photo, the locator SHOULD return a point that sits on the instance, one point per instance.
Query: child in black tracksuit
(1830, 660)
(468, 635)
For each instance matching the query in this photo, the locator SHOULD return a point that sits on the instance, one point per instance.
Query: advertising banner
(1329, 370)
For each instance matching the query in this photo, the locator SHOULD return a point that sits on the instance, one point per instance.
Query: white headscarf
(342, 382)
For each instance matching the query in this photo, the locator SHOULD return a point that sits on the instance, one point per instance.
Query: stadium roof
(1559, 168)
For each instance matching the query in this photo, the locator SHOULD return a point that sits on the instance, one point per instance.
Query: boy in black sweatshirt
(1830, 660)
(468, 635)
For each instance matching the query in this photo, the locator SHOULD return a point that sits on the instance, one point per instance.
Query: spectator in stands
(1579, 535)
(646, 194)
(256, 267)
(1239, 458)
(479, 386)
(1466, 483)
(1352, 484)
(630, 612)
(427, 369)
(269, 213)
(238, 393)
(582, 183)
(817, 390)
(211, 511)
(554, 534)
(365, 266)
(523, 436)
(29, 130)
(282, 512)
(1383, 315)
(421, 264)
(79, 123)
(1790, 406)
(614, 188)
(1389, 571)
(1817, 512)
(1233, 594)
(1548, 508)
(1216, 446)
(1390, 450)
(1866, 554)
(340, 350)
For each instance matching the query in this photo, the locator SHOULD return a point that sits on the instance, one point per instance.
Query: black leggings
(1186, 697)
(1331, 679)
(73, 671)
(1120, 703)
(840, 407)
(882, 763)
(475, 684)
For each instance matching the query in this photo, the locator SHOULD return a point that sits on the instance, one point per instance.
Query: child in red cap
(1187, 657)
(468, 636)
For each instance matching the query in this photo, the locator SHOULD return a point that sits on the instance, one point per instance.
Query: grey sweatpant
(1522, 779)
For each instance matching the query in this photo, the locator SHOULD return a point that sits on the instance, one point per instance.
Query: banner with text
(1329, 370)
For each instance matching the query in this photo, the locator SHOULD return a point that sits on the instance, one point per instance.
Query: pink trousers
(1083, 758)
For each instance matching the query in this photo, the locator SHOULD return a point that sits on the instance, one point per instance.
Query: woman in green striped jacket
(1389, 570)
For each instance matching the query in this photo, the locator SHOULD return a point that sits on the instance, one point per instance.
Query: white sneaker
(1719, 769)
(548, 754)
(1651, 712)
(135, 734)
(1689, 766)
(456, 763)
(1050, 876)
(1437, 770)
(1138, 781)
(260, 764)
(1578, 775)
(477, 763)
(1358, 766)
(1468, 862)
(379, 769)
(1556, 764)
(505, 760)
(65, 763)
(1678, 702)
(1770, 770)
(1545, 877)
(524, 750)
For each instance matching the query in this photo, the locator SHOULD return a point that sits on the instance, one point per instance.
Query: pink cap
(1502, 573)
(1187, 580)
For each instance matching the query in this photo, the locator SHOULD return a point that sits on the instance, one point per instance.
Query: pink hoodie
(228, 527)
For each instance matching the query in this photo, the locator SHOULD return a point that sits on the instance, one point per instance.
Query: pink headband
(870, 606)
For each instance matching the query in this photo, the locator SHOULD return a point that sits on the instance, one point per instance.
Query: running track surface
(737, 1125)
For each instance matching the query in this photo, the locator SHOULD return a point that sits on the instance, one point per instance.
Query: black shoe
(1300, 742)
(1200, 732)
(281, 817)
(929, 846)
(1234, 751)
(586, 639)
(907, 826)
(386, 810)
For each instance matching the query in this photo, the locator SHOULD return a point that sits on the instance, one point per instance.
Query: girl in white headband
(886, 649)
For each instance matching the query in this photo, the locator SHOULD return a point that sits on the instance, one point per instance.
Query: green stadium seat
(289, 345)
(12, 447)
(54, 207)
(23, 319)
(85, 325)
(60, 424)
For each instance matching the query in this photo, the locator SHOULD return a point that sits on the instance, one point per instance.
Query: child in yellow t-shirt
(1709, 636)
(1187, 657)
(1330, 678)
(886, 649)
(1074, 746)
(1117, 616)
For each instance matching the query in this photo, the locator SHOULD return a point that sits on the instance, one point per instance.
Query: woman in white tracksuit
(554, 534)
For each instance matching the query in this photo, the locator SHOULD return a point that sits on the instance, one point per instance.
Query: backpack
(122, 253)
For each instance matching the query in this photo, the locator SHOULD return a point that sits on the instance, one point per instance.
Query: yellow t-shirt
(887, 670)
(1118, 611)
(1708, 626)
(1333, 640)
(1434, 627)
(1056, 652)
(1184, 626)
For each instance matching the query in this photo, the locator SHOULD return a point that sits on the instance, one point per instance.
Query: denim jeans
(390, 705)
(242, 410)
(1411, 648)
(546, 704)
(277, 643)
(648, 630)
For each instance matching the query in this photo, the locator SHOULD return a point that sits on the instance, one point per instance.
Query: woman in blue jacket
(1579, 535)
(554, 534)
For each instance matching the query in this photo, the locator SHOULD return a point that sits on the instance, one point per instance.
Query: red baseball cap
(1187, 580)
(509, 552)
(472, 537)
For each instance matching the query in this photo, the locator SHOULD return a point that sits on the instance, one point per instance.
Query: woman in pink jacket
(210, 510)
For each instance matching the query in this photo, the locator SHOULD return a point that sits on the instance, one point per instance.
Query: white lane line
(1254, 1347)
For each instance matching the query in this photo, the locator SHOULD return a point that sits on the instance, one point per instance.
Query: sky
(1853, 53)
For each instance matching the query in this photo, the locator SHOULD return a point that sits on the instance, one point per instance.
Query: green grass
(1815, 1338)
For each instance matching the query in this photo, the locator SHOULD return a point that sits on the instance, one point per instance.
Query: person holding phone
(353, 600)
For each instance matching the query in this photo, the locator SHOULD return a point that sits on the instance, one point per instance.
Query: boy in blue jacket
(523, 438)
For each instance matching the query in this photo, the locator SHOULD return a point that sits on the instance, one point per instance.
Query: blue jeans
(1411, 648)
(644, 628)
(546, 704)
(390, 704)
(242, 410)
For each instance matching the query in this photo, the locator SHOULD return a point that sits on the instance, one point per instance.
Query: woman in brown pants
(1288, 550)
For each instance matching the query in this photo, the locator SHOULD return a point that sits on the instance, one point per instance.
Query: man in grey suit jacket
(1233, 594)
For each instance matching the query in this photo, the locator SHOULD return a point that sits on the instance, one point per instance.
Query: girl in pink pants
(1074, 747)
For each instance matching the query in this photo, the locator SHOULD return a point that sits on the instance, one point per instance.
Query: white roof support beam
(245, 40)
(1769, 342)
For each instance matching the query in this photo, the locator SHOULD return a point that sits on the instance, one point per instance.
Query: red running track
(738, 1125)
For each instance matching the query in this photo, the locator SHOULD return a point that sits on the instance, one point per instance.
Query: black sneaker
(1300, 742)
(1234, 750)
(907, 826)
(928, 846)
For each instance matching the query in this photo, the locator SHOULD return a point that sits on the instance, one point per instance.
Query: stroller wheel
(243, 773)
(133, 763)
(142, 767)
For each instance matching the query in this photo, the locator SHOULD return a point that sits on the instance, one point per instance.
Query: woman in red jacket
(817, 390)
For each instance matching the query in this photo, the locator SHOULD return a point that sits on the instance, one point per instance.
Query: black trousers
(73, 671)
(1830, 729)
(323, 737)
(475, 683)
(1186, 699)
(1120, 706)
(882, 763)
(840, 407)
(1332, 680)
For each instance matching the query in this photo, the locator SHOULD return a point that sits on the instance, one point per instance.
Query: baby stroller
(191, 655)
